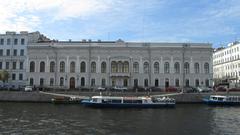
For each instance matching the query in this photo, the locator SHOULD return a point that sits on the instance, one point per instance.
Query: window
(93, 67)
(22, 41)
(103, 67)
(20, 77)
(32, 66)
(177, 68)
(114, 67)
(196, 68)
(62, 66)
(41, 81)
(22, 52)
(156, 67)
(8, 52)
(103, 82)
(14, 66)
(51, 81)
(187, 82)
(92, 82)
(145, 82)
(1, 52)
(206, 68)
(31, 82)
(13, 76)
(8, 41)
(2, 41)
(125, 82)
(83, 67)
(146, 67)
(72, 67)
(135, 82)
(207, 83)
(15, 41)
(0, 65)
(61, 81)
(82, 81)
(52, 66)
(166, 67)
(177, 82)
(135, 67)
(42, 66)
(125, 67)
(15, 52)
(166, 82)
(186, 68)
(7, 65)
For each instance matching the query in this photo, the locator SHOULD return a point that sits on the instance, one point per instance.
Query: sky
(201, 21)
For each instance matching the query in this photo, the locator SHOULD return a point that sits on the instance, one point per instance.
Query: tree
(4, 75)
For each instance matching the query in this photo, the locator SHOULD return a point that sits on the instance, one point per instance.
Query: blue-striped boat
(128, 102)
(222, 100)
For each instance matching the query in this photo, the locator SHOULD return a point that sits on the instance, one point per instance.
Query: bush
(171, 89)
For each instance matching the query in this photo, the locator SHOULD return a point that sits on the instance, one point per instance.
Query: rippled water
(33, 118)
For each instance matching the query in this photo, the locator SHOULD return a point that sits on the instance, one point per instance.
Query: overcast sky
(213, 21)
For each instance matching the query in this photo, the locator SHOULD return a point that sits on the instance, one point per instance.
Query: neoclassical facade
(70, 64)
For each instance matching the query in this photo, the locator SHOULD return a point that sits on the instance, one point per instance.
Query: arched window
(177, 82)
(146, 67)
(196, 68)
(52, 66)
(61, 81)
(83, 67)
(135, 67)
(207, 83)
(93, 67)
(186, 68)
(114, 66)
(166, 82)
(62, 66)
(156, 67)
(166, 67)
(125, 67)
(206, 68)
(177, 67)
(103, 67)
(42, 66)
(72, 67)
(196, 82)
(32, 66)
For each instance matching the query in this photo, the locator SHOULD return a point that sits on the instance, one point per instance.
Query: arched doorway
(72, 83)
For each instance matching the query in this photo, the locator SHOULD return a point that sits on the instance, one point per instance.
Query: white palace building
(90, 64)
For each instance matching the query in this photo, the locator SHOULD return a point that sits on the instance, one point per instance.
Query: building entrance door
(72, 83)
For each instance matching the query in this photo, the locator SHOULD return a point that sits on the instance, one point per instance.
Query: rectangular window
(20, 77)
(22, 52)
(2, 41)
(0, 65)
(15, 41)
(22, 41)
(14, 65)
(8, 52)
(15, 52)
(1, 52)
(21, 65)
(7, 65)
(8, 41)
(92, 82)
(13, 76)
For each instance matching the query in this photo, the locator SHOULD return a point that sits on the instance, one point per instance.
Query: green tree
(4, 75)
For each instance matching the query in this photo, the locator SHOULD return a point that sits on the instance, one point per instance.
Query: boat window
(94, 99)
(137, 101)
(220, 99)
(127, 101)
(116, 101)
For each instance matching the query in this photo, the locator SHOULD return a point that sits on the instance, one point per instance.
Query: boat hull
(211, 102)
(126, 105)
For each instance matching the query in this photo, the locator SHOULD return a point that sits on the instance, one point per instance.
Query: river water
(43, 119)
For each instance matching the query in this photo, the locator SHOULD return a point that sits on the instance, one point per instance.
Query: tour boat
(66, 100)
(128, 102)
(222, 100)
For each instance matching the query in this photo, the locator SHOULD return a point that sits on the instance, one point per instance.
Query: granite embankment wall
(12, 96)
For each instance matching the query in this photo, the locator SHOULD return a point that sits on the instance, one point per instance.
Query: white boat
(222, 100)
(129, 102)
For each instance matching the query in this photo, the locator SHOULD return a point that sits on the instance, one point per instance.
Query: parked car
(221, 89)
(101, 88)
(234, 89)
(190, 89)
(28, 88)
(204, 89)
(171, 89)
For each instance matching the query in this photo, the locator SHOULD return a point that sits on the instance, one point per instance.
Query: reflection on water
(32, 118)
